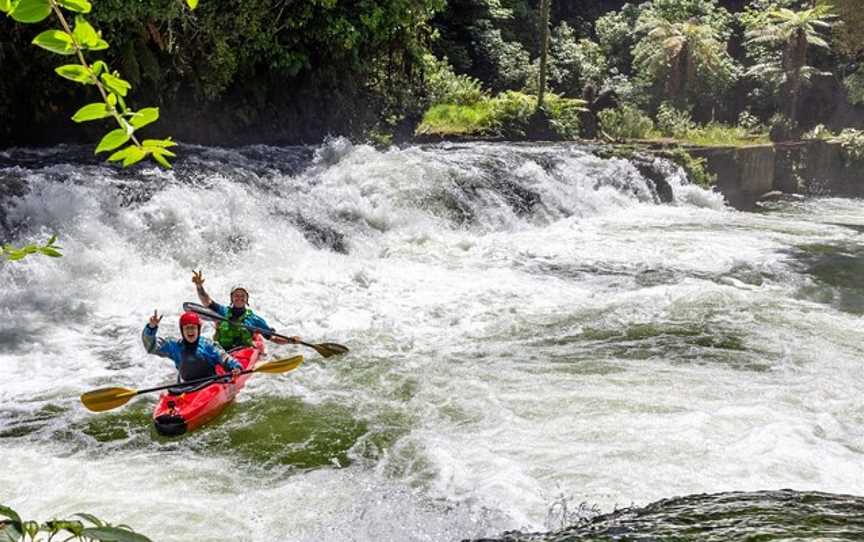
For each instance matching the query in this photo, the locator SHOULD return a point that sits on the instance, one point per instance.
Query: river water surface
(535, 340)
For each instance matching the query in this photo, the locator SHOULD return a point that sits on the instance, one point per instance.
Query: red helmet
(189, 319)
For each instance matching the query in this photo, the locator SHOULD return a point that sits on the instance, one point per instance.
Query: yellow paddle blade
(107, 398)
(280, 365)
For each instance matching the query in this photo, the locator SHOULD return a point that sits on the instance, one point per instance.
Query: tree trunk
(544, 49)
(682, 70)
(794, 60)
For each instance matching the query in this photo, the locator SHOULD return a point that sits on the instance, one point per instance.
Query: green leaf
(112, 140)
(144, 117)
(31, 11)
(5, 6)
(156, 147)
(14, 255)
(115, 84)
(80, 6)
(55, 41)
(87, 36)
(130, 155)
(91, 518)
(84, 33)
(123, 154)
(192, 4)
(56, 525)
(75, 72)
(7, 512)
(163, 143)
(161, 159)
(94, 111)
(31, 528)
(165, 152)
(113, 534)
(48, 251)
(134, 156)
(119, 155)
(51, 240)
(98, 67)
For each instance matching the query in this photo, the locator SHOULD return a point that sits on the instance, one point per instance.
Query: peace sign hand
(198, 278)
(154, 320)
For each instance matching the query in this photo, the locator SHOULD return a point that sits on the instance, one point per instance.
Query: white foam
(590, 343)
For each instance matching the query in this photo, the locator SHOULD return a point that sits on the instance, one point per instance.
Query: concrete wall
(744, 174)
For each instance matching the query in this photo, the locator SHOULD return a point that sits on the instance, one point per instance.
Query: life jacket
(192, 365)
(231, 334)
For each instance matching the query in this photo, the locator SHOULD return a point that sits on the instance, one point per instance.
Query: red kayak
(183, 409)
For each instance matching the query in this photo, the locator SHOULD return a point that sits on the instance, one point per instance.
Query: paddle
(325, 349)
(108, 398)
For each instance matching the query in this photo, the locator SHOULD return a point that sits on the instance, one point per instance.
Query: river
(535, 340)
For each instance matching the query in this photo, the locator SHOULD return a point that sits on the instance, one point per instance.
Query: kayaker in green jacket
(232, 334)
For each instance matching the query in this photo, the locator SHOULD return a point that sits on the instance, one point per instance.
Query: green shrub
(572, 62)
(450, 119)
(445, 87)
(626, 122)
(854, 84)
(512, 112)
(750, 122)
(510, 62)
(564, 115)
(716, 133)
(672, 121)
(781, 127)
(818, 132)
(507, 115)
(852, 143)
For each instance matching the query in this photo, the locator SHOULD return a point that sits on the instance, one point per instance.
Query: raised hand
(155, 319)
(198, 278)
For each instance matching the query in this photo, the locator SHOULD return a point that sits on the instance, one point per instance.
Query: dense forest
(291, 71)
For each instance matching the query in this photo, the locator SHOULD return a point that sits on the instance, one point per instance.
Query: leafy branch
(88, 528)
(48, 249)
(70, 41)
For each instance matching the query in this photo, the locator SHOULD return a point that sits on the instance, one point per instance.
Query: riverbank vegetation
(702, 72)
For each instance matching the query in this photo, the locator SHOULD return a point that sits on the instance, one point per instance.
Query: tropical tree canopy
(677, 53)
(787, 36)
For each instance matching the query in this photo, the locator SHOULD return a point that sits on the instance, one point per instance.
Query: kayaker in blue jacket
(230, 335)
(193, 355)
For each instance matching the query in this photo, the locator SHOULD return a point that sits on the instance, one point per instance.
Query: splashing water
(528, 326)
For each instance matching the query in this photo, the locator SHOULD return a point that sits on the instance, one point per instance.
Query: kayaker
(193, 355)
(232, 334)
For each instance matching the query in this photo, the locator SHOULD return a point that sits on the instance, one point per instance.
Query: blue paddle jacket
(188, 361)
